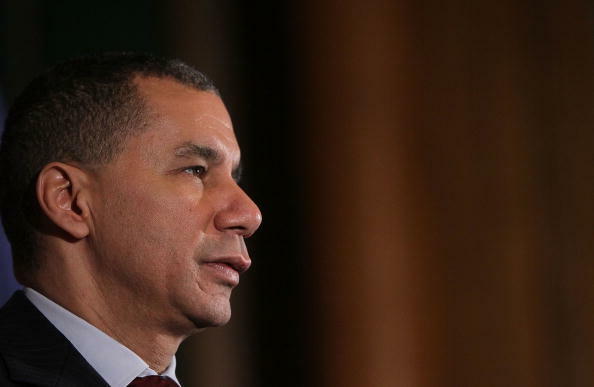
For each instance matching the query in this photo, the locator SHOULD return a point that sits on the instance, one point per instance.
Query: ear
(62, 193)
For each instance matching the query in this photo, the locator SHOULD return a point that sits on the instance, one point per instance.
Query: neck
(116, 312)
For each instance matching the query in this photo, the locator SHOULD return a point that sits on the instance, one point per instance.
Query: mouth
(228, 269)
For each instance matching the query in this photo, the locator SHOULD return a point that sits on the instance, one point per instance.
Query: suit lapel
(35, 352)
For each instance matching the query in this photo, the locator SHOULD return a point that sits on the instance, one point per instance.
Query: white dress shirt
(117, 364)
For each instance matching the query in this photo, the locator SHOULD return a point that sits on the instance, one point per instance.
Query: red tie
(153, 381)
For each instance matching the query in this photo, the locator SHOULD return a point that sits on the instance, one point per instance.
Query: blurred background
(424, 169)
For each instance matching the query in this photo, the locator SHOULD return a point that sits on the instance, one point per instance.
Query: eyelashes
(201, 171)
(196, 170)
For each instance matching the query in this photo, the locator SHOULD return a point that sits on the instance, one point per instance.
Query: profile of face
(168, 218)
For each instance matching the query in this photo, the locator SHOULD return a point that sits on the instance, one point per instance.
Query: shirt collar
(117, 364)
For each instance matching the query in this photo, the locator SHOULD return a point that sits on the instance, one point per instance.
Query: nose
(238, 213)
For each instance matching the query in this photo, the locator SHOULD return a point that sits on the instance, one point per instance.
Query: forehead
(179, 114)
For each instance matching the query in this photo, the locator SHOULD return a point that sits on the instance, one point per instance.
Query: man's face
(168, 218)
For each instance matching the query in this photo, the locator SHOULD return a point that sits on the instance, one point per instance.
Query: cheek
(156, 220)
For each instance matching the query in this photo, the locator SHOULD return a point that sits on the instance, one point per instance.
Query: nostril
(238, 214)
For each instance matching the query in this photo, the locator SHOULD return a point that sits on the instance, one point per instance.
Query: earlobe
(61, 193)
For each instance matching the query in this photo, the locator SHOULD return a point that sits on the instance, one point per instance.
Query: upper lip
(238, 262)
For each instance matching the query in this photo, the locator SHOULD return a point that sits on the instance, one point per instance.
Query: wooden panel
(449, 199)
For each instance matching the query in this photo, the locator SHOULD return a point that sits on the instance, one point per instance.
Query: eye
(196, 170)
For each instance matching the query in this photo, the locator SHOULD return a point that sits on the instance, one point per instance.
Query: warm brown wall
(450, 191)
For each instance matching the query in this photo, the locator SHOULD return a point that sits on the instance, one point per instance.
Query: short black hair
(81, 110)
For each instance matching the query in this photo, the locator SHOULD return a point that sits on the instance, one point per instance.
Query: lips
(228, 268)
(237, 263)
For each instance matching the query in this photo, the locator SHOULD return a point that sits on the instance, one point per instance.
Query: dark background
(424, 170)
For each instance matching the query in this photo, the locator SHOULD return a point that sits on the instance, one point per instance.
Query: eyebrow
(189, 150)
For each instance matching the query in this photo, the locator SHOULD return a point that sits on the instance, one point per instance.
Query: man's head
(125, 167)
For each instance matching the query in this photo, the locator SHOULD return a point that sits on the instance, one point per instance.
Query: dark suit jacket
(34, 353)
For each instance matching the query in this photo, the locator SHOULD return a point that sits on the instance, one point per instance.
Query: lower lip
(224, 272)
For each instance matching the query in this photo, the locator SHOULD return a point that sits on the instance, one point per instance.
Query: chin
(214, 315)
